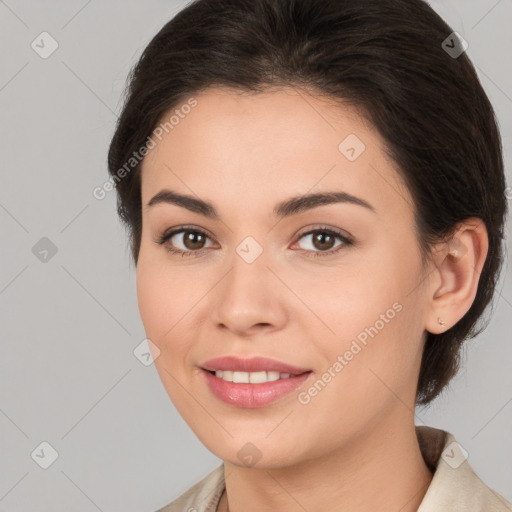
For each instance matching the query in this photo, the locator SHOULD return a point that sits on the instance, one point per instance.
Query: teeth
(250, 377)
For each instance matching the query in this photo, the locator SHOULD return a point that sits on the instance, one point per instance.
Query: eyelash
(314, 254)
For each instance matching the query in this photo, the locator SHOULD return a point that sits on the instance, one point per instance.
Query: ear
(454, 283)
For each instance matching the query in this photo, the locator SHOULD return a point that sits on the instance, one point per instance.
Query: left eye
(323, 239)
(194, 239)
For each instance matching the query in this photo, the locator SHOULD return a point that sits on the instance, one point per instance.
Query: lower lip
(253, 395)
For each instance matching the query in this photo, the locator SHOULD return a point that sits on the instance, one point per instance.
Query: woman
(315, 198)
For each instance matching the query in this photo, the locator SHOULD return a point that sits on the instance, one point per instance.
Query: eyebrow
(286, 208)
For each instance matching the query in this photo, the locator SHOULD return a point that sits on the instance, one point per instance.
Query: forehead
(269, 145)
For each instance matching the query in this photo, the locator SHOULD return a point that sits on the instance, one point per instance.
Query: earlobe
(459, 262)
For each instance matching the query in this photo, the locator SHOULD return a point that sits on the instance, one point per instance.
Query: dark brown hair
(386, 58)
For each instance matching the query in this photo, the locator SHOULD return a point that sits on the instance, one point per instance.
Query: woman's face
(332, 287)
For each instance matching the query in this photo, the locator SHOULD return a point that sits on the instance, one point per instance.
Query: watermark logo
(44, 250)
(249, 454)
(146, 352)
(249, 249)
(44, 455)
(454, 45)
(351, 147)
(454, 455)
(44, 45)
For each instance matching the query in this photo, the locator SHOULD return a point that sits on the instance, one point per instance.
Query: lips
(254, 364)
(254, 382)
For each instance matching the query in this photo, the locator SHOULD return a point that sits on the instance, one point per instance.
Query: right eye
(192, 241)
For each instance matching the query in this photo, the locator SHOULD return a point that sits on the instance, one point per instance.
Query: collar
(454, 486)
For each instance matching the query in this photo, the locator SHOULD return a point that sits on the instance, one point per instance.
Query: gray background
(70, 324)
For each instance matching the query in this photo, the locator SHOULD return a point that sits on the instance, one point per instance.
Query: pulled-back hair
(391, 60)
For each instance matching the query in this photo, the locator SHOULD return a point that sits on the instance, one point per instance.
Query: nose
(250, 298)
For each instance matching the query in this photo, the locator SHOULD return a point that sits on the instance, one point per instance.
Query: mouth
(260, 377)
(239, 365)
(252, 383)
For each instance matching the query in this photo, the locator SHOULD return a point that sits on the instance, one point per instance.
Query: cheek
(149, 297)
(158, 301)
(365, 376)
(168, 304)
(375, 324)
(160, 310)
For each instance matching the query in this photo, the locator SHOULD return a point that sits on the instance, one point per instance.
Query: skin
(353, 446)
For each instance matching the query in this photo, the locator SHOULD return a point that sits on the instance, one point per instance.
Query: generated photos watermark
(356, 346)
(101, 192)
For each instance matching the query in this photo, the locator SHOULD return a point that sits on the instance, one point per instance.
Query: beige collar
(454, 486)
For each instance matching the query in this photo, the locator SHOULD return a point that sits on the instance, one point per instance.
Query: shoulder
(203, 496)
(455, 485)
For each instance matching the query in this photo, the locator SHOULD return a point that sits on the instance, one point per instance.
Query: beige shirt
(454, 487)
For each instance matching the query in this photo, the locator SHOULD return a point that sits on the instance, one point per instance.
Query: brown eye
(184, 241)
(193, 240)
(323, 242)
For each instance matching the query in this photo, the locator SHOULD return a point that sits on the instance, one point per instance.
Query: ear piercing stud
(456, 248)
(441, 322)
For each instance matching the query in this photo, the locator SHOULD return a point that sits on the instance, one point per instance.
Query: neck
(382, 470)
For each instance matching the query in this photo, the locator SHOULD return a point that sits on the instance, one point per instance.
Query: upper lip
(253, 364)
